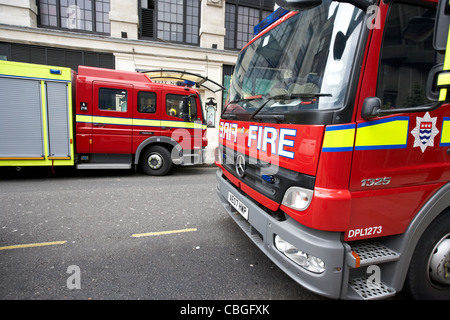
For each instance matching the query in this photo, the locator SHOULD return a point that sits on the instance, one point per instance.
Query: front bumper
(261, 228)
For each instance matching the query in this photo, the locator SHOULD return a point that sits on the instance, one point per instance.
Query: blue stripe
(340, 127)
(337, 149)
(375, 122)
(394, 146)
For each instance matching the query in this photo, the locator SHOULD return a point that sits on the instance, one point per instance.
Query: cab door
(112, 118)
(147, 116)
(398, 160)
(180, 120)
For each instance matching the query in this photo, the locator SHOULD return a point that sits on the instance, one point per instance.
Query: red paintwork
(340, 203)
(307, 144)
(124, 139)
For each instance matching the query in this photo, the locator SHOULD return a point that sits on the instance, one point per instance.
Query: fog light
(297, 198)
(303, 259)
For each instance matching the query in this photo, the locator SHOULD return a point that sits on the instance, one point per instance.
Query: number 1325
(375, 182)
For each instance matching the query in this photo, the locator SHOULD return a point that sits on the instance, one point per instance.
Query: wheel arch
(407, 242)
(167, 142)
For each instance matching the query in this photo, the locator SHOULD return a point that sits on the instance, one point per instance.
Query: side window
(183, 107)
(407, 55)
(112, 99)
(146, 102)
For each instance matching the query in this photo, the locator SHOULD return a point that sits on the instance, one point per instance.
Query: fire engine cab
(97, 119)
(334, 146)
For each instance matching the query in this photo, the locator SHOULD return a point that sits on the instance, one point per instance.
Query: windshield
(303, 63)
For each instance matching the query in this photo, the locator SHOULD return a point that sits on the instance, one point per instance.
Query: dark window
(171, 20)
(80, 15)
(240, 19)
(146, 102)
(407, 56)
(183, 107)
(55, 57)
(112, 99)
(227, 74)
(147, 26)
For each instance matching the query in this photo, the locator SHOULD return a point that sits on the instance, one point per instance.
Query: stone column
(212, 24)
(19, 13)
(124, 19)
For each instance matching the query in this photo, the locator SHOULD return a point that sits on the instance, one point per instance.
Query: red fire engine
(97, 119)
(334, 146)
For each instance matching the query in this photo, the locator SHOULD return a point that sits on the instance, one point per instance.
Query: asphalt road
(123, 235)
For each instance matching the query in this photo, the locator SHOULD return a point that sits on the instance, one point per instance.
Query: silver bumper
(261, 228)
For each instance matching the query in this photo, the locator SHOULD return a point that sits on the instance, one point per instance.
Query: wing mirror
(370, 108)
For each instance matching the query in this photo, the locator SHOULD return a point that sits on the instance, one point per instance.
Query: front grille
(269, 180)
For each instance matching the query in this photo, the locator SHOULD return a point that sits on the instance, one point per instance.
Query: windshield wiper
(288, 97)
(277, 117)
(240, 100)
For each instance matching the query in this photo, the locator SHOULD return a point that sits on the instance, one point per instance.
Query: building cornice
(98, 42)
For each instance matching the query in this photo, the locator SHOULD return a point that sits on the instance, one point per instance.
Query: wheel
(429, 273)
(156, 161)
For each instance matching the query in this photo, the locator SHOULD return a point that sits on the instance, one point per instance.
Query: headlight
(297, 198)
(303, 259)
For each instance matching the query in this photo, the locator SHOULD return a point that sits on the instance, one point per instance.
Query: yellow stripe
(30, 245)
(339, 138)
(179, 124)
(80, 118)
(139, 122)
(442, 94)
(37, 71)
(445, 79)
(382, 134)
(445, 135)
(137, 235)
(71, 127)
(112, 120)
(44, 116)
(145, 122)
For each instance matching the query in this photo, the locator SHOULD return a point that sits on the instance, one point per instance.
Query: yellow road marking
(30, 245)
(137, 235)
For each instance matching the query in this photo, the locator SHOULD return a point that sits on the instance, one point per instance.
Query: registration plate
(238, 205)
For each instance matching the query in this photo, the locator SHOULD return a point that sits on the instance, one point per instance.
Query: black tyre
(156, 161)
(429, 272)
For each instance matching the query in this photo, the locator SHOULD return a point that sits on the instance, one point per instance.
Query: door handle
(99, 124)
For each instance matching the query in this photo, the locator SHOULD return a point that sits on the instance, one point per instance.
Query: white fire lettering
(271, 138)
(228, 130)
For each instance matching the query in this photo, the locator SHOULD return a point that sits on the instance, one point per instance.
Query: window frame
(156, 22)
(115, 91)
(193, 117)
(232, 20)
(381, 93)
(155, 97)
(59, 19)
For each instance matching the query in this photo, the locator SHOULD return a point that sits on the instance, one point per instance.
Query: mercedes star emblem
(240, 165)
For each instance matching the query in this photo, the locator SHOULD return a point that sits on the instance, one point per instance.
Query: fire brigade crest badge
(424, 132)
